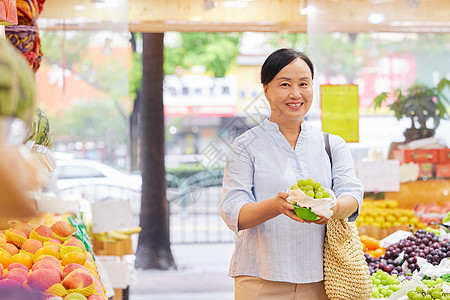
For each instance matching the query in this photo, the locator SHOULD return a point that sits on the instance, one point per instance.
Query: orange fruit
(363, 238)
(47, 250)
(73, 257)
(5, 259)
(23, 259)
(378, 252)
(372, 243)
(364, 247)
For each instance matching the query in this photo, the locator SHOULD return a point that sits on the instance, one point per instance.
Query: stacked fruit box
(434, 163)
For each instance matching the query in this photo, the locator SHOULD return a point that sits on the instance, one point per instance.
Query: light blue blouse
(260, 164)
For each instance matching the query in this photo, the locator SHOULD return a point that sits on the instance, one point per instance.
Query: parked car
(72, 173)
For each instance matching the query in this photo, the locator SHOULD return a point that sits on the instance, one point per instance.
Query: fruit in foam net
(71, 267)
(10, 248)
(9, 284)
(19, 232)
(54, 241)
(21, 226)
(75, 296)
(77, 279)
(62, 228)
(44, 231)
(42, 279)
(73, 241)
(5, 259)
(17, 266)
(48, 257)
(51, 250)
(48, 265)
(17, 276)
(73, 257)
(98, 286)
(96, 297)
(23, 259)
(31, 246)
(20, 271)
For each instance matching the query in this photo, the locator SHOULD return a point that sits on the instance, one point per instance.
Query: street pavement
(201, 274)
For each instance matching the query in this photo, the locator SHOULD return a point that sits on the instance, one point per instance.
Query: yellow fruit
(74, 257)
(23, 259)
(5, 259)
(51, 250)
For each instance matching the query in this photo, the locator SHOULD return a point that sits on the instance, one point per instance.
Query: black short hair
(280, 59)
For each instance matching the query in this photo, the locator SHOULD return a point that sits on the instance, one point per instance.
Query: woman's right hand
(282, 206)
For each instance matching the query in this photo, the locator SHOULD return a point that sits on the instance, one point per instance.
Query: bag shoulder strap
(326, 138)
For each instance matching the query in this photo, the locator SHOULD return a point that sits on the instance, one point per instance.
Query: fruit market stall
(43, 255)
(410, 265)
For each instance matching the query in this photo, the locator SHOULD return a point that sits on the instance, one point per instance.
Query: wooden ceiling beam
(258, 15)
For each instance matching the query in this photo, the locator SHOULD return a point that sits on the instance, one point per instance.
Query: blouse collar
(269, 125)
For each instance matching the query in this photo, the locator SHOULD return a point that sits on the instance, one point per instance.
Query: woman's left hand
(323, 220)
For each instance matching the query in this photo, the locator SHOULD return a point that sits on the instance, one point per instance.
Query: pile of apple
(386, 214)
(48, 259)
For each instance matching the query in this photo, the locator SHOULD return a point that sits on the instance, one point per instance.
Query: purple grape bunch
(422, 244)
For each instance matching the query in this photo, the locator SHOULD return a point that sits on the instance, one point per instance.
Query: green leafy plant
(419, 103)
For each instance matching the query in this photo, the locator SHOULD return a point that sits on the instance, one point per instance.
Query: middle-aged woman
(278, 255)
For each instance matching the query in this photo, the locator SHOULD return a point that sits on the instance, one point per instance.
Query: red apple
(77, 279)
(42, 279)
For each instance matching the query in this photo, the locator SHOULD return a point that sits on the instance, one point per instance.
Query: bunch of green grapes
(384, 284)
(433, 230)
(311, 188)
(434, 291)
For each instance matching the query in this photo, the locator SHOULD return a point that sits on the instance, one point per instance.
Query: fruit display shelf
(422, 191)
(414, 266)
(49, 258)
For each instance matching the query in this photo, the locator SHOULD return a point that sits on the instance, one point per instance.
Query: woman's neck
(290, 130)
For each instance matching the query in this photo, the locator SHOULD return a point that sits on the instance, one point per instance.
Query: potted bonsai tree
(423, 105)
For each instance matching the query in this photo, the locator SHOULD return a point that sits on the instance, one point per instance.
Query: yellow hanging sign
(339, 104)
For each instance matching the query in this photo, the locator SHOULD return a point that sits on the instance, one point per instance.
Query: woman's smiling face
(290, 93)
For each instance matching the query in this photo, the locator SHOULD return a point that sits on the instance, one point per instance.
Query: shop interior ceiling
(249, 15)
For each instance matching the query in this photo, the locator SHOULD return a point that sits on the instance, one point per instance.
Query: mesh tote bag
(346, 272)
